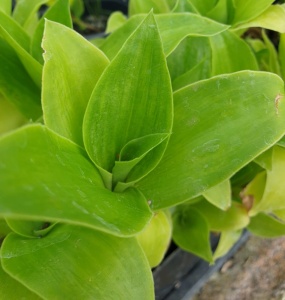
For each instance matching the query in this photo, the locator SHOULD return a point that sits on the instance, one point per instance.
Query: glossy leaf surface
(13, 289)
(94, 265)
(66, 92)
(273, 18)
(156, 238)
(6, 6)
(226, 242)
(60, 13)
(185, 24)
(135, 93)
(204, 134)
(220, 195)
(246, 10)
(191, 232)
(266, 226)
(68, 188)
(274, 194)
(231, 54)
(17, 86)
(234, 218)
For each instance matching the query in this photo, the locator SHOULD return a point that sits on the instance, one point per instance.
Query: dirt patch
(256, 272)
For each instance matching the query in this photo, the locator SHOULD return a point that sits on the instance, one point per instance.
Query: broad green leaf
(133, 153)
(31, 229)
(211, 120)
(184, 6)
(234, 218)
(272, 18)
(231, 54)
(4, 228)
(191, 232)
(123, 107)
(10, 116)
(246, 10)
(32, 66)
(94, 265)
(60, 13)
(14, 30)
(266, 226)
(140, 7)
(220, 195)
(25, 10)
(18, 88)
(273, 64)
(156, 238)
(274, 193)
(190, 53)
(6, 6)
(201, 71)
(77, 8)
(62, 185)
(77, 65)
(281, 142)
(182, 25)
(116, 20)
(280, 213)
(281, 55)
(226, 242)
(13, 289)
(219, 13)
(265, 159)
(203, 6)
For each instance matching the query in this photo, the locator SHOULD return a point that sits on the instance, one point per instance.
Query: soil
(256, 272)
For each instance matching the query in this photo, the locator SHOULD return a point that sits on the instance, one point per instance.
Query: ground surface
(256, 272)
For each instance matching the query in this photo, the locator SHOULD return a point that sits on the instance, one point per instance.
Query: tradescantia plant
(161, 133)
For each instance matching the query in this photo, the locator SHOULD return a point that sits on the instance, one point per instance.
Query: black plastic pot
(182, 274)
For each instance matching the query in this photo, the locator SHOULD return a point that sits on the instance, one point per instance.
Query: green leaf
(183, 24)
(133, 153)
(10, 116)
(272, 18)
(219, 12)
(231, 54)
(191, 232)
(273, 64)
(94, 265)
(234, 218)
(67, 189)
(226, 242)
(203, 6)
(191, 53)
(140, 7)
(274, 193)
(265, 159)
(18, 88)
(25, 10)
(14, 30)
(220, 195)
(6, 6)
(33, 67)
(184, 6)
(138, 105)
(211, 121)
(281, 55)
(60, 13)
(156, 238)
(13, 289)
(64, 106)
(4, 229)
(116, 20)
(246, 10)
(266, 226)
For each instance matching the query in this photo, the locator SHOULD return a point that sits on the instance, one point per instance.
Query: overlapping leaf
(65, 187)
(79, 263)
(72, 68)
(135, 93)
(211, 121)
